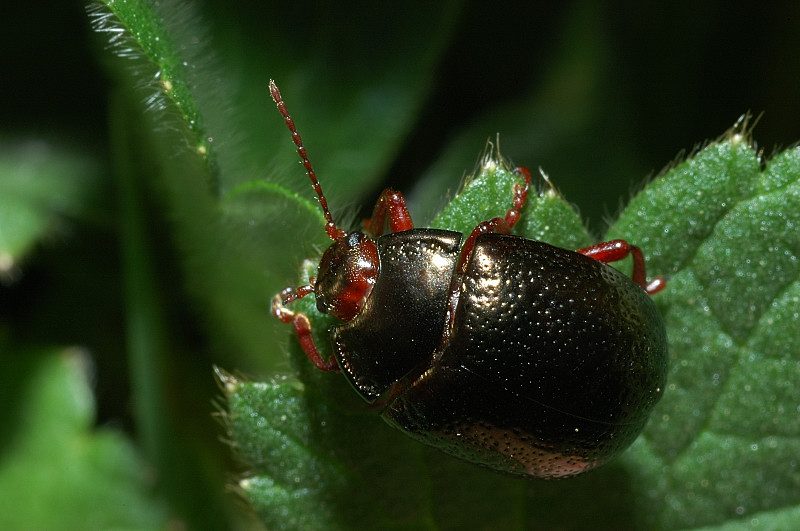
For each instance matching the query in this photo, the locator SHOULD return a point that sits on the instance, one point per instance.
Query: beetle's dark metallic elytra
(562, 353)
(510, 353)
(556, 360)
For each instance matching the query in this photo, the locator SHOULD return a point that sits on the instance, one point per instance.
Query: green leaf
(721, 446)
(547, 217)
(727, 432)
(40, 185)
(138, 30)
(57, 471)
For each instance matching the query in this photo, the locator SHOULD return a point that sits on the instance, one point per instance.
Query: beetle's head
(349, 267)
(347, 272)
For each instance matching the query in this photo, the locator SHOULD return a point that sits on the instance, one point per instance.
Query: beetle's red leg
(391, 203)
(493, 226)
(302, 326)
(520, 196)
(498, 225)
(614, 250)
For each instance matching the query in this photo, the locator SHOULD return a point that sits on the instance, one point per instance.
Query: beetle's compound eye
(347, 272)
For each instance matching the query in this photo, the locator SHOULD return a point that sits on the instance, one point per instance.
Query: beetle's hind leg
(301, 324)
(614, 250)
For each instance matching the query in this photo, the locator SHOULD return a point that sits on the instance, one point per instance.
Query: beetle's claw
(279, 309)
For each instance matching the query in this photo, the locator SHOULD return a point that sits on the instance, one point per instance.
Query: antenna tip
(273, 90)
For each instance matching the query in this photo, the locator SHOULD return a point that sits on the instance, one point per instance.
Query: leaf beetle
(507, 352)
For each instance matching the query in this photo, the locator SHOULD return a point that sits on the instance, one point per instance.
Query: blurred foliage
(151, 204)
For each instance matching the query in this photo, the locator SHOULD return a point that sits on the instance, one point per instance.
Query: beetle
(511, 353)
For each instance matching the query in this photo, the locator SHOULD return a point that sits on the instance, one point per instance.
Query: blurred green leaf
(39, 186)
(57, 471)
(137, 29)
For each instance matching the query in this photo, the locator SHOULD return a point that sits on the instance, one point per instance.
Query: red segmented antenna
(330, 227)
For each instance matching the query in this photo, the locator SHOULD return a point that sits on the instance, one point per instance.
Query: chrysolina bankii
(507, 352)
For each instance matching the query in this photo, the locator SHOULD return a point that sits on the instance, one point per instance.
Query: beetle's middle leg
(496, 225)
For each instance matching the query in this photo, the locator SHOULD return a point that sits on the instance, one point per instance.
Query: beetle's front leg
(301, 324)
(393, 204)
(614, 250)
